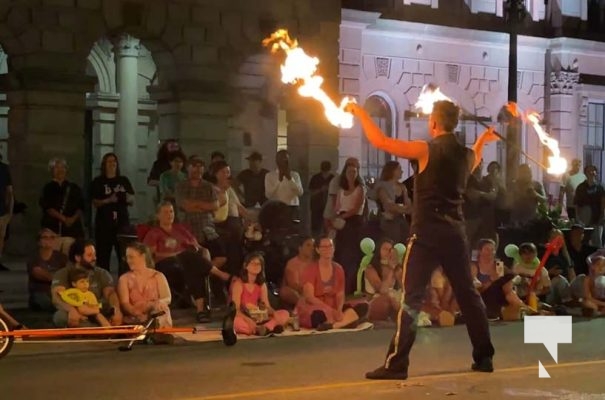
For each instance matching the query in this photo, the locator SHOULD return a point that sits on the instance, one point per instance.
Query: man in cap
(252, 180)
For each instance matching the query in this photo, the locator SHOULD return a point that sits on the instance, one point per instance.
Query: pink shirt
(175, 241)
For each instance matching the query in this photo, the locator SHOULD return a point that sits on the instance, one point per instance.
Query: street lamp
(514, 13)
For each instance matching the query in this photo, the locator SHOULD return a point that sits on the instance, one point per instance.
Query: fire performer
(438, 236)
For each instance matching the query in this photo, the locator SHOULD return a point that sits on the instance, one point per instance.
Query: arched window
(372, 159)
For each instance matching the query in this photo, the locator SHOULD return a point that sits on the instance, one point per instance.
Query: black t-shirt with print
(112, 214)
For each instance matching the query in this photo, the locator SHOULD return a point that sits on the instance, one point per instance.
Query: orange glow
(513, 109)
(300, 69)
(556, 164)
(428, 96)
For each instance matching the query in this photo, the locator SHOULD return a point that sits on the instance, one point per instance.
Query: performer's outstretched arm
(487, 136)
(412, 150)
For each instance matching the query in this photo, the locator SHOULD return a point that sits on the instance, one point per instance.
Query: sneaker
(278, 329)
(324, 326)
(204, 317)
(386, 374)
(485, 365)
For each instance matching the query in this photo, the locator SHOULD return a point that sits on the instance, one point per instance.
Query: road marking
(352, 384)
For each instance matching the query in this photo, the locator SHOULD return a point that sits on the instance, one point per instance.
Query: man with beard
(82, 255)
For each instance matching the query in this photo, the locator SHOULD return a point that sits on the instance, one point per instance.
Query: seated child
(525, 267)
(250, 295)
(589, 289)
(84, 300)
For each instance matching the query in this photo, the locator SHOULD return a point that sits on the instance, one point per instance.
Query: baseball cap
(195, 159)
(255, 155)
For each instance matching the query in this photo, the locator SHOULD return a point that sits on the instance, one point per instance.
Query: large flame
(429, 94)
(556, 164)
(300, 69)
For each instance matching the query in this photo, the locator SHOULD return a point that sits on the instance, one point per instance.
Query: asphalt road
(311, 368)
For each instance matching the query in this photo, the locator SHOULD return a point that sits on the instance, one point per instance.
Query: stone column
(126, 50)
(45, 120)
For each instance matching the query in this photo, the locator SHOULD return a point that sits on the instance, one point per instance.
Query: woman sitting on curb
(323, 304)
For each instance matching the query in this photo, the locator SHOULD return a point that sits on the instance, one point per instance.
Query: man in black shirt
(438, 233)
(253, 181)
(578, 249)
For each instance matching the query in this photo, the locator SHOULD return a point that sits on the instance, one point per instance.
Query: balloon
(367, 246)
(400, 248)
(511, 251)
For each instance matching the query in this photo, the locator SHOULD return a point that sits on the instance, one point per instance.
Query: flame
(300, 69)
(513, 109)
(556, 164)
(429, 94)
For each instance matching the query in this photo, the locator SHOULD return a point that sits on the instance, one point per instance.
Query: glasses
(326, 246)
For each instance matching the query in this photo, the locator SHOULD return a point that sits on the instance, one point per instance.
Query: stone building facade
(83, 77)
(389, 52)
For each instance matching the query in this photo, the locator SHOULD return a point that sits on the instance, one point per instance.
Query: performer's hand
(490, 135)
(352, 108)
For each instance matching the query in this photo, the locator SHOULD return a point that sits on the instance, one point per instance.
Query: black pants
(424, 254)
(186, 272)
(106, 239)
(347, 252)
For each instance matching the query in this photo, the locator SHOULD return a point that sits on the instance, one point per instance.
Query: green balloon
(400, 248)
(511, 251)
(367, 246)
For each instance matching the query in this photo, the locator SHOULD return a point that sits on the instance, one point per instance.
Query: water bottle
(295, 321)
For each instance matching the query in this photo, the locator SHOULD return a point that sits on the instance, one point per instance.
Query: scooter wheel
(6, 342)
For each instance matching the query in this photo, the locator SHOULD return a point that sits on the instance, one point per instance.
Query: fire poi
(301, 69)
(557, 165)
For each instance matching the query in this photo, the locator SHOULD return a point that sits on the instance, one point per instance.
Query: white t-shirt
(287, 191)
(570, 184)
(346, 202)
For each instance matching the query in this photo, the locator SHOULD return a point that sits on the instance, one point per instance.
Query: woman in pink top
(250, 295)
(323, 304)
(291, 288)
(143, 290)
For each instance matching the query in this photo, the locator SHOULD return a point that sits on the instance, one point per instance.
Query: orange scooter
(129, 334)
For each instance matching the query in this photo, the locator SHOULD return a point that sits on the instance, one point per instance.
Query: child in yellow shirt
(83, 299)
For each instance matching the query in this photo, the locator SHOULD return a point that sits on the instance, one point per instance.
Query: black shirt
(578, 258)
(439, 189)
(254, 186)
(590, 195)
(318, 200)
(67, 199)
(112, 214)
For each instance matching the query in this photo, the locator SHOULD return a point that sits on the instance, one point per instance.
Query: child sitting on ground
(250, 295)
(84, 300)
(525, 267)
(589, 289)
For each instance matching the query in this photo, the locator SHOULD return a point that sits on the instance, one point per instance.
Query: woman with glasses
(322, 306)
